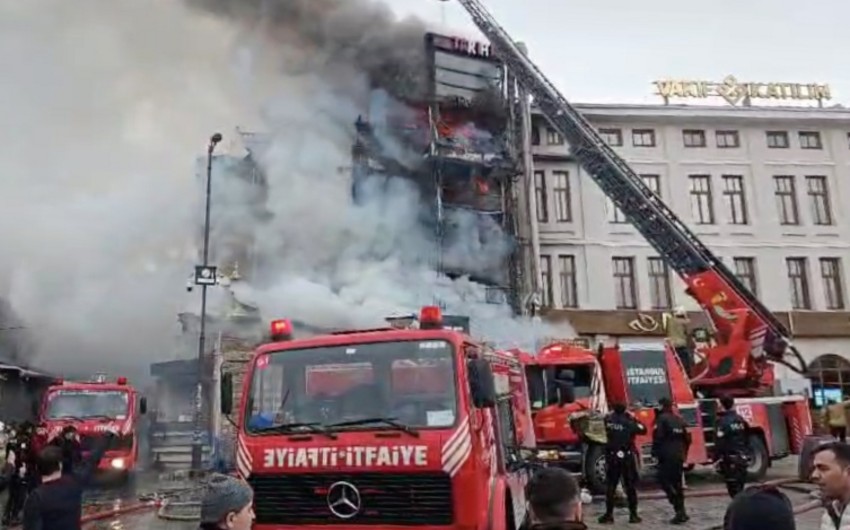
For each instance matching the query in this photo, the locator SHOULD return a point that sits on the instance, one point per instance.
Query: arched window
(830, 377)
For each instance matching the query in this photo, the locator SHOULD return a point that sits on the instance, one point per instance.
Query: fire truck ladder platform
(675, 243)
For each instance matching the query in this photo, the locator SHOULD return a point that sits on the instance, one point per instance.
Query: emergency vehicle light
(122, 380)
(281, 329)
(430, 317)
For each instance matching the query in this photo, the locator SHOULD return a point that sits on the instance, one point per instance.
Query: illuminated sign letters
(734, 91)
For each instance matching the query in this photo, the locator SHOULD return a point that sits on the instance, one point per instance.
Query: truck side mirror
(143, 405)
(482, 385)
(226, 393)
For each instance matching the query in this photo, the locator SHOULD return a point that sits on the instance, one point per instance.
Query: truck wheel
(758, 459)
(594, 469)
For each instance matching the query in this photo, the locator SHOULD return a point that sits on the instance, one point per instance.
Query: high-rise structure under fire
(465, 144)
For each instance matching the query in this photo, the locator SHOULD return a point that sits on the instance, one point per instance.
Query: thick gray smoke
(107, 107)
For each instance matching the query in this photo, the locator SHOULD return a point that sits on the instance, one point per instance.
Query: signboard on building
(461, 68)
(734, 91)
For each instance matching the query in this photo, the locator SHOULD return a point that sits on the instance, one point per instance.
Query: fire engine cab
(383, 427)
(94, 407)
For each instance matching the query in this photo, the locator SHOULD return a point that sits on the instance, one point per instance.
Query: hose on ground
(163, 514)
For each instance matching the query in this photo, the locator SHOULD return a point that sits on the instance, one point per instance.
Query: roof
(836, 115)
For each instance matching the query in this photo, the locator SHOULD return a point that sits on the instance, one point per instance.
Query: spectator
(59, 498)
(227, 504)
(758, 508)
(554, 501)
(836, 419)
(831, 472)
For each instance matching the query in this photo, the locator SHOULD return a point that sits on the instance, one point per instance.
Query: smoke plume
(108, 104)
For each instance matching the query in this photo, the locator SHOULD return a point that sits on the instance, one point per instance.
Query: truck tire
(758, 459)
(594, 469)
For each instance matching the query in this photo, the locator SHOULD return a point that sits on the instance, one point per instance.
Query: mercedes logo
(344, 500)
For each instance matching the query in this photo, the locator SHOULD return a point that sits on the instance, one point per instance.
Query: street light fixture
(205, 275)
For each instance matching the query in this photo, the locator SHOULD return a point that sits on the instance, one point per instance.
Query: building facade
(766, 188)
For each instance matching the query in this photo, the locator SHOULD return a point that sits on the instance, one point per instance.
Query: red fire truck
(94, 407)
(383, 427)
(639, 375)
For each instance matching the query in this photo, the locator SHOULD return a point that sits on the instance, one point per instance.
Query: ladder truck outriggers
(748, 337)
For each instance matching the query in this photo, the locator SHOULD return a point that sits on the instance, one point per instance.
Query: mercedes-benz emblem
(344, 500)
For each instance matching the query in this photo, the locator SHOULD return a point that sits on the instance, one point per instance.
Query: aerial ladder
(748, 334)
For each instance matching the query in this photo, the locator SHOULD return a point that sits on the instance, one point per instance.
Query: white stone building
(766, 188)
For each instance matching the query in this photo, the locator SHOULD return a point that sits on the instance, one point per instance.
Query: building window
(819, 198)
(798, 276)
(569, 292)
(727, 139)
(624, 283)
(786, 200)
(810, 140)
(553, 137)
(542, 196)
(736, 199)
(535, 135)
(652, 182)
(563, 200)
(833, 283)
(613, 137)
(546, 278)
(702, 208)
(615, 215)
(745, 271)
(777, 139)
(693, 138)
(659, 284)
(643, 137)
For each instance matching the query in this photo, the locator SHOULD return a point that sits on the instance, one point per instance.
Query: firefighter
(621, 427)
(732, 438)
(676, 329)
(670, 443)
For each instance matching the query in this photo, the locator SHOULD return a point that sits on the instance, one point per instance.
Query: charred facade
(457, 144)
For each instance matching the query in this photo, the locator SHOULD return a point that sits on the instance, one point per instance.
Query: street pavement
(705, 512)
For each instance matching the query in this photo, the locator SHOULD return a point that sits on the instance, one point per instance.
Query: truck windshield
(409, 382)
(646, 375)
(86, 404)
(542, 385)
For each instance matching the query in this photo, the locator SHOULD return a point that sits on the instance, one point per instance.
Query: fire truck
(93, 408)
(748, 339)
(389, 427)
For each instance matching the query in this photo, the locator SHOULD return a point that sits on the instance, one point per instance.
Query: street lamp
(205, 275)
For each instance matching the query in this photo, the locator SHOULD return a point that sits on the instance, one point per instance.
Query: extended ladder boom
(716, 288)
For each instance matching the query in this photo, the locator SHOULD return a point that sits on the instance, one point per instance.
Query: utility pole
(205, 275)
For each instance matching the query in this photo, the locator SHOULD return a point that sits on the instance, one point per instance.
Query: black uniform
(620, 463)
(731, 445)
(17, 479)
(670, 443)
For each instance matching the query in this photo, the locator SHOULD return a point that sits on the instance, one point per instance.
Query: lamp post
(205, 275)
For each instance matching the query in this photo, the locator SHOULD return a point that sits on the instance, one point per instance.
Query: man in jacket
(554, 501)
(831, 472)
(57, 504)
(732, 444)
(670, 443)
(621, 428)
(836, 419)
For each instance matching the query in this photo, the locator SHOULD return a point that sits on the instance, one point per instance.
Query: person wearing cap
(227, 504)
(758, 508)
(670, 443)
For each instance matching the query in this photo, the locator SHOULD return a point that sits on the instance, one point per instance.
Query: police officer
(69, 441)
(670, 443)
(621, 427)
(732, 438)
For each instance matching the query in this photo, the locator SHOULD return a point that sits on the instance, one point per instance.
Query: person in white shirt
(831, 472)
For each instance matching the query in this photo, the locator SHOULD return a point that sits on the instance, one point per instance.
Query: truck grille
(89, 442)
(413, 499)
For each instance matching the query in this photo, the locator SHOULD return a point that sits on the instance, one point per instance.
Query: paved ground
(705, 512)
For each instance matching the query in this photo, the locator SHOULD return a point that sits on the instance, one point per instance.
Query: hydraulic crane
(748, 334)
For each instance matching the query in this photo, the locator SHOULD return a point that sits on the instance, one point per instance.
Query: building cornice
(835, 116)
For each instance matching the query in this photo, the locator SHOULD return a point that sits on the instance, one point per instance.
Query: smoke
(107, 106)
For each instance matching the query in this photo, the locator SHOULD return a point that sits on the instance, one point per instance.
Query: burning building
(458, 145)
